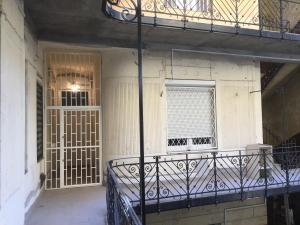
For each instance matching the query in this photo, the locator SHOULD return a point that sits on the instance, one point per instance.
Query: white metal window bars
(194, 5)
(191, 120)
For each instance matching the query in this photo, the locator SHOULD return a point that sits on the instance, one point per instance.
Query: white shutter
(191, 117)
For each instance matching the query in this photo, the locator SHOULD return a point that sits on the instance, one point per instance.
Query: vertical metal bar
(141, 110)
(155, 12)
(187, 180)
(236, 16)
(281, 18)
(62, 163)
(265, 172)
(287, 209)
(157, 183)
(287, 171)
(184, 14)
(215, 177)
(260, 16)
(241, 174)
(211, 15)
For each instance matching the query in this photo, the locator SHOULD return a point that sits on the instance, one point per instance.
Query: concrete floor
(75, 206)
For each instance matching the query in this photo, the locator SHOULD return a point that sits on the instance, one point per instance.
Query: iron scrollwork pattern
(187, 177)
(261, 15)
(128, 9)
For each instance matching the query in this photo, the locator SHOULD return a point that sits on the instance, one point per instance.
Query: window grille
(191, 122)
(39, 120)
(79, 98)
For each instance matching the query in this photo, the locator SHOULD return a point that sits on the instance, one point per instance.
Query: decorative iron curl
(192, 165)
(125, 12)
(236, 161)
(164, 191)
(134, 170)
(149, 5)
(210, 186)
(181, 166)
(271, 180)
(151, 193)
(221, 185)
(217, 184)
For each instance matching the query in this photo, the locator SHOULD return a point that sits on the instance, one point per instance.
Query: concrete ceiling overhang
(83, 21)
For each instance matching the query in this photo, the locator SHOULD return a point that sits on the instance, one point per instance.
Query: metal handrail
(187, 179)
(119, 208)
(260, 15)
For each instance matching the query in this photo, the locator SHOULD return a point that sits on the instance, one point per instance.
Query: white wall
(17, 189)
(12, 114)
(239, 119)
(34, 74)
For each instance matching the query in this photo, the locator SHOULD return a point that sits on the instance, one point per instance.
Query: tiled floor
(76, 206)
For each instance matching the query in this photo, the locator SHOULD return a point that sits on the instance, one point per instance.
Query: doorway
(73, 120)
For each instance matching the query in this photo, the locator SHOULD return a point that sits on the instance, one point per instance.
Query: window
(191, 123)
(39, 120)
(79, 98)
(193, 5)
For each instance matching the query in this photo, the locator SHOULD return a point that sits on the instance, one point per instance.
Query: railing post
(260, 17)
(241, 175)
(157, 183)
(110, 197)
(155, 13)
(184, 14)
(215, 178)
(265, 171)
(211, 2)
(236, 16)
(281, 18)
(287, 171)
(141, 111)
(187, 181)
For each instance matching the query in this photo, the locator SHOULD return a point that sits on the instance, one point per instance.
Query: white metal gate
(73, 120)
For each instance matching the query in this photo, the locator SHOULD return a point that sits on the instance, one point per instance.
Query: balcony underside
(84, 22)
(210, 200)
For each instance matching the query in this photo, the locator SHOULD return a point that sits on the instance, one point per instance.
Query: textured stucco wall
(12, 113)
(18, 52)
(238, 100)
(34, 74)
(248, 212)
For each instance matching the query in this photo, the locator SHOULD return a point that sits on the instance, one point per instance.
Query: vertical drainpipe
(141, 111)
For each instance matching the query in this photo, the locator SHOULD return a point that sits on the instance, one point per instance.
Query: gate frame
(80, 51)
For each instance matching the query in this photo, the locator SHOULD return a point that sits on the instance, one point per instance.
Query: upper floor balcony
(264, 28)
(267, 18)
(187, 180)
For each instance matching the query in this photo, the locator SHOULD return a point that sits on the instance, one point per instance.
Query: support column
(141, 111)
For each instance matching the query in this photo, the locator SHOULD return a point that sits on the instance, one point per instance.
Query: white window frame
(190, 147)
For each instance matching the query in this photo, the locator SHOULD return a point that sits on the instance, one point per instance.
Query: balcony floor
(76, 206)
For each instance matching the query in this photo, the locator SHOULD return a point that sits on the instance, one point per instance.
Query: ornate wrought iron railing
(119, 207)
(238, 16)
(187, 180)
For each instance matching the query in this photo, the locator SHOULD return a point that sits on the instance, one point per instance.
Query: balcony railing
(258, 17)
(187, 180)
